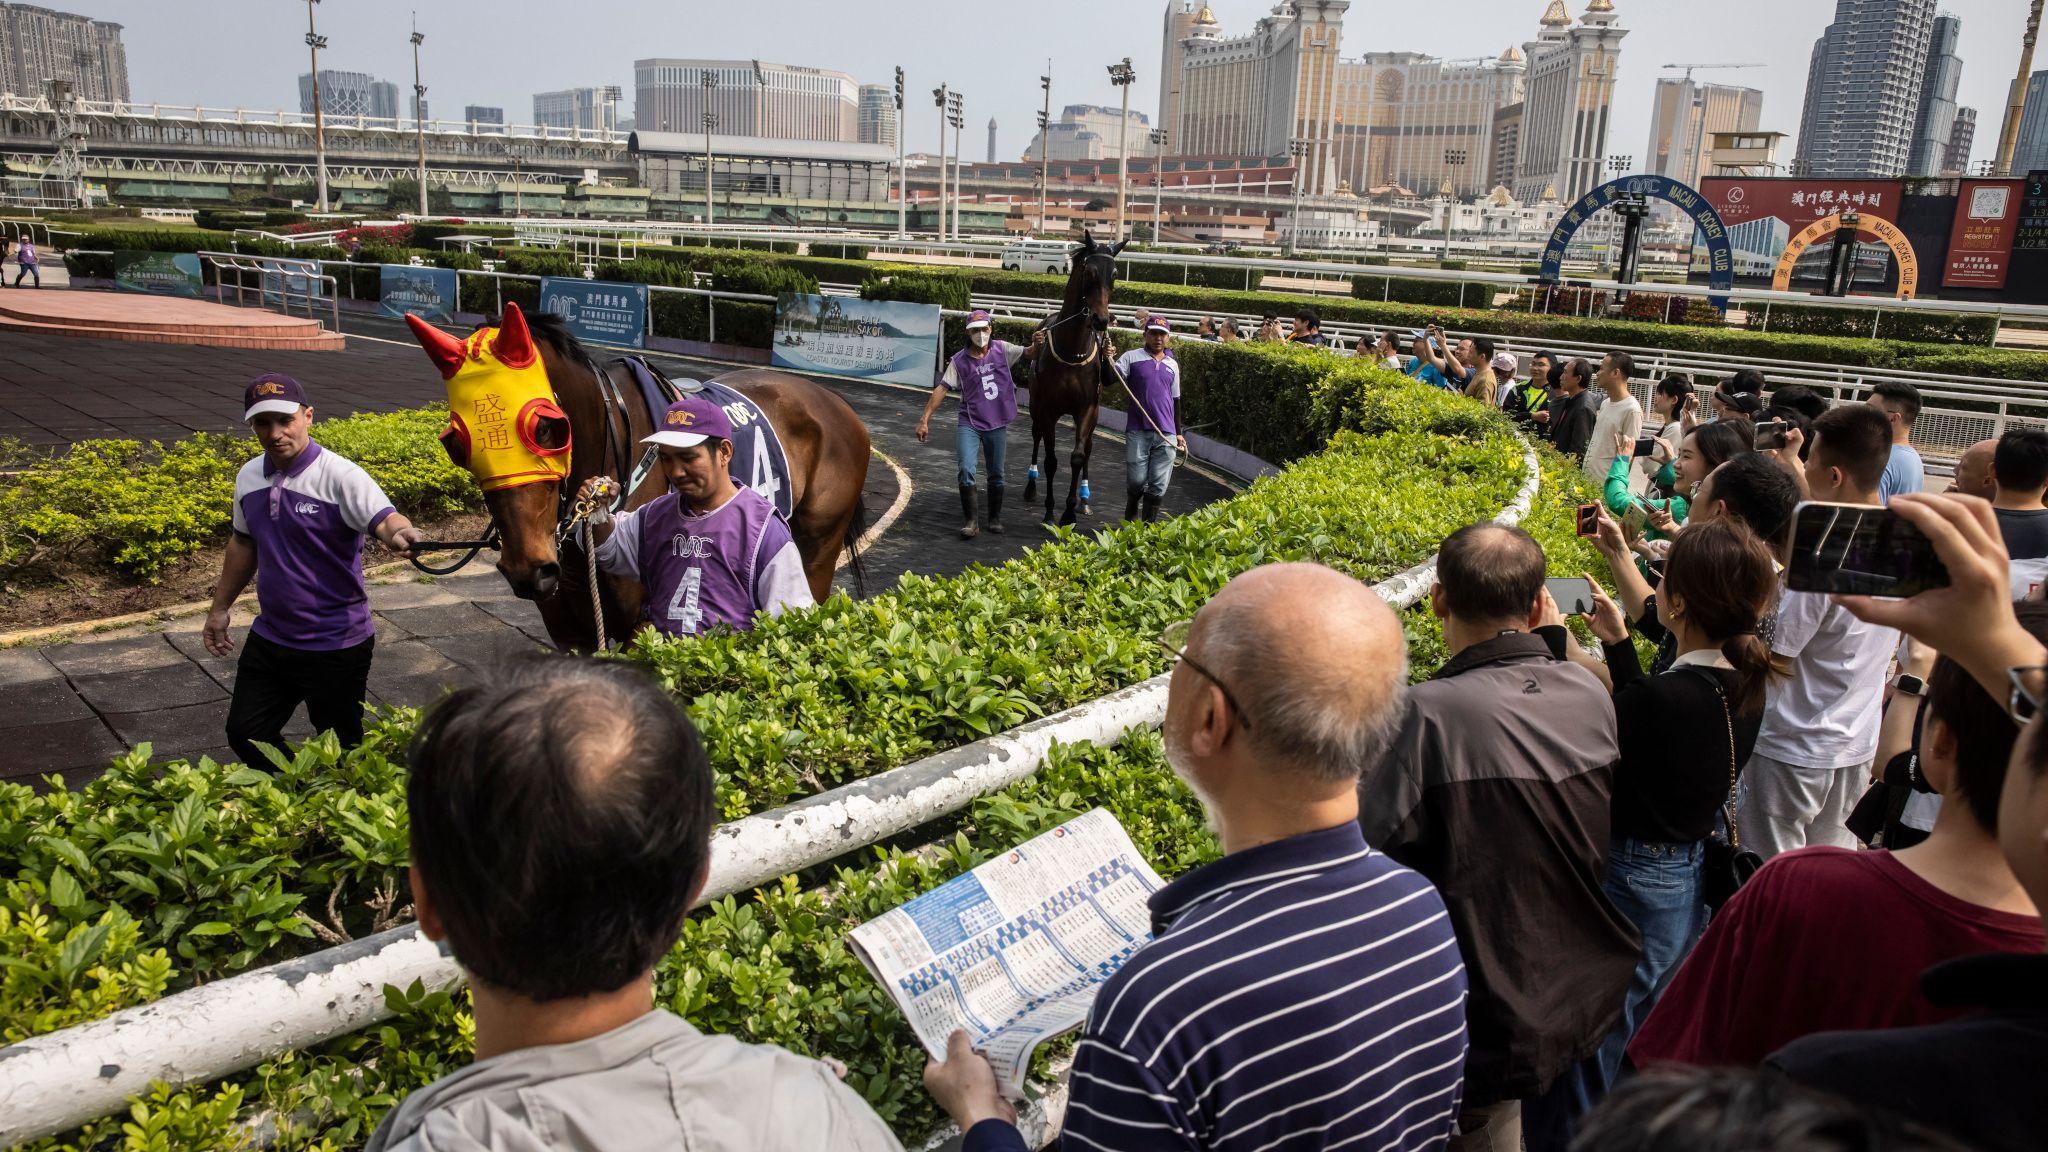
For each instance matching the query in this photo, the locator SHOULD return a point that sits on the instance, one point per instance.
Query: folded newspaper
(1015, 950)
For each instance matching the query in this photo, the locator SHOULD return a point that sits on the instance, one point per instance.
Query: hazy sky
(249, 52)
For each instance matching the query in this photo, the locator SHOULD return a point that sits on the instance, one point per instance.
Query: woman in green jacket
(1700, 452)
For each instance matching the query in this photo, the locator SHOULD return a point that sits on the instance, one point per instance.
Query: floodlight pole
(419, 102)
(314, 43)
(1122, 75)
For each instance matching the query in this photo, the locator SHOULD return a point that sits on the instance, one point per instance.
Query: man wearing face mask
(1304, 990)
(982, 374)
(709, 552)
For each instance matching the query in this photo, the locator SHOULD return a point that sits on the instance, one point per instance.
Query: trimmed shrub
(1922, 327)
(943, 289)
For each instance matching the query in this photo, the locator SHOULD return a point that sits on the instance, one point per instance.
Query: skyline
(175, 60)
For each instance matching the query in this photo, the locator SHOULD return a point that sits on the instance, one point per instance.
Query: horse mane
(553, 331)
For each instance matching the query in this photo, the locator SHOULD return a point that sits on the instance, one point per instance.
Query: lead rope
(589, 512)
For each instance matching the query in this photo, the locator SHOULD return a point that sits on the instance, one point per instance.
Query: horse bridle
(1094, 346)
(566, 520)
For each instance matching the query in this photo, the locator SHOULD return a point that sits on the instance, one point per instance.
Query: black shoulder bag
(1727, 865)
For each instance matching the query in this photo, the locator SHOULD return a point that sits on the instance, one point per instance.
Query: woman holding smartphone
(1683, 735)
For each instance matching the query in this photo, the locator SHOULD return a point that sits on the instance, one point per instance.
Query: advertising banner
(597, 311)
(873, 339)
(1764, 213)
(430, 292)
(1980, 248)
(157, 273)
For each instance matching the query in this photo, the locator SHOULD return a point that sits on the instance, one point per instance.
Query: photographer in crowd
(1683, 736)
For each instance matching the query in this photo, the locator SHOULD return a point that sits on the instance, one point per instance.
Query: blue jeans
(1657, 886)
(1148, 459)
(974, 444)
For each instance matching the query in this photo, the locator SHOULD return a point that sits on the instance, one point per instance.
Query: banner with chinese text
(429, 292)
(1764, 213)
(1980, 248)
(872, 339)
(597, 311)
(157, 273)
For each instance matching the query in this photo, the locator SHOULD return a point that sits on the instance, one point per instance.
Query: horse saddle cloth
(758, 458)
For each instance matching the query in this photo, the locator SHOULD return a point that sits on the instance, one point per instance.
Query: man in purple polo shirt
(300, 516)
(710, 551)
(980, 372)
(1151, 432)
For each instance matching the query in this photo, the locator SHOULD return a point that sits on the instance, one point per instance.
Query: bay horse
(1068, 373)
(599, 411)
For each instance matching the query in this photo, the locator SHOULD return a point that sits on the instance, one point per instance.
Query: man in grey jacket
(561, 823)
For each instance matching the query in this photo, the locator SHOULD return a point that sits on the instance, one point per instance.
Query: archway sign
(1720, 255)
(1875, 227)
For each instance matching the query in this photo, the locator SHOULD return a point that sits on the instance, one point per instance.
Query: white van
(1050, 257)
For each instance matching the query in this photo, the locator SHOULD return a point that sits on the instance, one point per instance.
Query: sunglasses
(1175, 642)
(2029, 692)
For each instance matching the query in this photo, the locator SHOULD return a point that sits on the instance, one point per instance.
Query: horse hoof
(1087, 511)
(1031, 489)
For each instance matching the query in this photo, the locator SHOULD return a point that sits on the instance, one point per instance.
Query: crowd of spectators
(1720, 865)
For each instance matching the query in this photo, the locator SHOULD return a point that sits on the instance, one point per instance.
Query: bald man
(1303, 991)
(1973, 471)
(1497, 789)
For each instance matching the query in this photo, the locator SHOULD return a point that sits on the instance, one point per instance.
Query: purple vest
(988, 398)
(700, 571)
(1151, 387)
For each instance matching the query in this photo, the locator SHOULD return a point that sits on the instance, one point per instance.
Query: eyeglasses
(1175, 641)
(2029, 692)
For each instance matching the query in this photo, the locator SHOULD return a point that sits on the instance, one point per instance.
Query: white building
(1091, 132)
(748, 98)
(590, 109)
(1569, 95)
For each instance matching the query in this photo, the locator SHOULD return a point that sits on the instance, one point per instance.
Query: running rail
(58, 1081)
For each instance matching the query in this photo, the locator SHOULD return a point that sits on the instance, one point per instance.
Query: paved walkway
(68, 708)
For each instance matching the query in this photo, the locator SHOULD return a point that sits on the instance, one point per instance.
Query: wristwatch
(1910, 684)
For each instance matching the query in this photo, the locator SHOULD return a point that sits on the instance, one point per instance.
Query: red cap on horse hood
(444, 350)
(514, 344)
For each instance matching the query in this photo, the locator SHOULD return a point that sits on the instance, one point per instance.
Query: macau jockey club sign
(597, 311)
(1720, 257)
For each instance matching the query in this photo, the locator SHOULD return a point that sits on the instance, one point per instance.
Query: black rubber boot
(1151, 508)
(1131, 505)
(967, 510)
(995, 509)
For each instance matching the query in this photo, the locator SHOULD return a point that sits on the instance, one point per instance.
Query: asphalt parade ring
(68, 708)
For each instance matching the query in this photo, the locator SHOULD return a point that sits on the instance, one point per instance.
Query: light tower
(314, 43)
(1044, 142)
(902, 171)
(1123, 76)
(709, 79)
(419, 103)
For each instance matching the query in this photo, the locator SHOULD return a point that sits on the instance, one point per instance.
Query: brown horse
(601, 414)
(1068, 373)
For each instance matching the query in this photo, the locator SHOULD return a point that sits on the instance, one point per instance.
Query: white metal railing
(38, 105)
(281, 280)
(290, 240)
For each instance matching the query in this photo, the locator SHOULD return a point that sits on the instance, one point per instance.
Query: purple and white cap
(977, 319)
(272, 392)
(1158, 324)
(690, 422)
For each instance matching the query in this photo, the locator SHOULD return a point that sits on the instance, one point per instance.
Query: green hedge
(136, 509)
(1192, 275)
(918, 288)
(428, 235)
(106, 907)
(1408, 290)
(1916, 327)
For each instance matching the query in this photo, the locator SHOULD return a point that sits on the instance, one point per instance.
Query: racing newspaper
(1015, 950)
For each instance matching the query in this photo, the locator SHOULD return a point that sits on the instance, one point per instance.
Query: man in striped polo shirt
(1304, 991)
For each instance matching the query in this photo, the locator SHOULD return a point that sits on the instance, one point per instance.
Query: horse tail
(857, 527)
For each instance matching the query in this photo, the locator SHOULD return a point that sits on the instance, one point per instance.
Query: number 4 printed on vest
(682, 607)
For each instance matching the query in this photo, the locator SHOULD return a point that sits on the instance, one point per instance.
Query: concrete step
(246, 323)
(304, 338)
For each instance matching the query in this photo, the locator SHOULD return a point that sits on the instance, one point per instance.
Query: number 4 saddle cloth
(758, 458)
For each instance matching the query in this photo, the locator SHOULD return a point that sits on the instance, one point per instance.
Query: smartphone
(1770, 435)
(1645, 445)
(1860, 550)
(1574, 594)
(1589, 520)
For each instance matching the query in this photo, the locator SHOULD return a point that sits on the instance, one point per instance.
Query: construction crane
(1689, 69)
